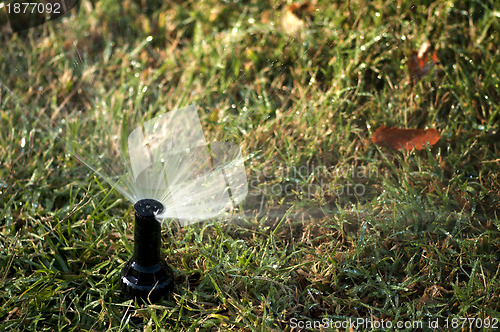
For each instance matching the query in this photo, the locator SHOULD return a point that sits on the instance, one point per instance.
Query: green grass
(395, 236)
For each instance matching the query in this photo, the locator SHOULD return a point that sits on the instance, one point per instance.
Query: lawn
(335, 228)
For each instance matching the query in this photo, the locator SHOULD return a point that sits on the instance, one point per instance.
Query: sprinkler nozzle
(146, 275)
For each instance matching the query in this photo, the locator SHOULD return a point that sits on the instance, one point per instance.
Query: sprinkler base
(149, 283)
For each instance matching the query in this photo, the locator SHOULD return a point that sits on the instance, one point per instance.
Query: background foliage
(303, 97)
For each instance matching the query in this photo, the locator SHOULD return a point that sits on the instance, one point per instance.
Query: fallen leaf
(422, 62)
(293, 20)
(405, 138)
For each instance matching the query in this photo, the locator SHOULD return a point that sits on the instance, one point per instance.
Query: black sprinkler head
(146, 276)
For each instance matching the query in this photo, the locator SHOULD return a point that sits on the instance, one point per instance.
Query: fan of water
(167, 159)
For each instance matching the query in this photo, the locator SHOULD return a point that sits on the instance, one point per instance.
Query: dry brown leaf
(405, 138)
(422, 62)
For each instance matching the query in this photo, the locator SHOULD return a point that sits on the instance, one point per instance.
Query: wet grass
(392, 236)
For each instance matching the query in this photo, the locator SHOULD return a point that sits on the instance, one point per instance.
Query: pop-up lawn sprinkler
(146, 276)
(168, 171)
(165, 167)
